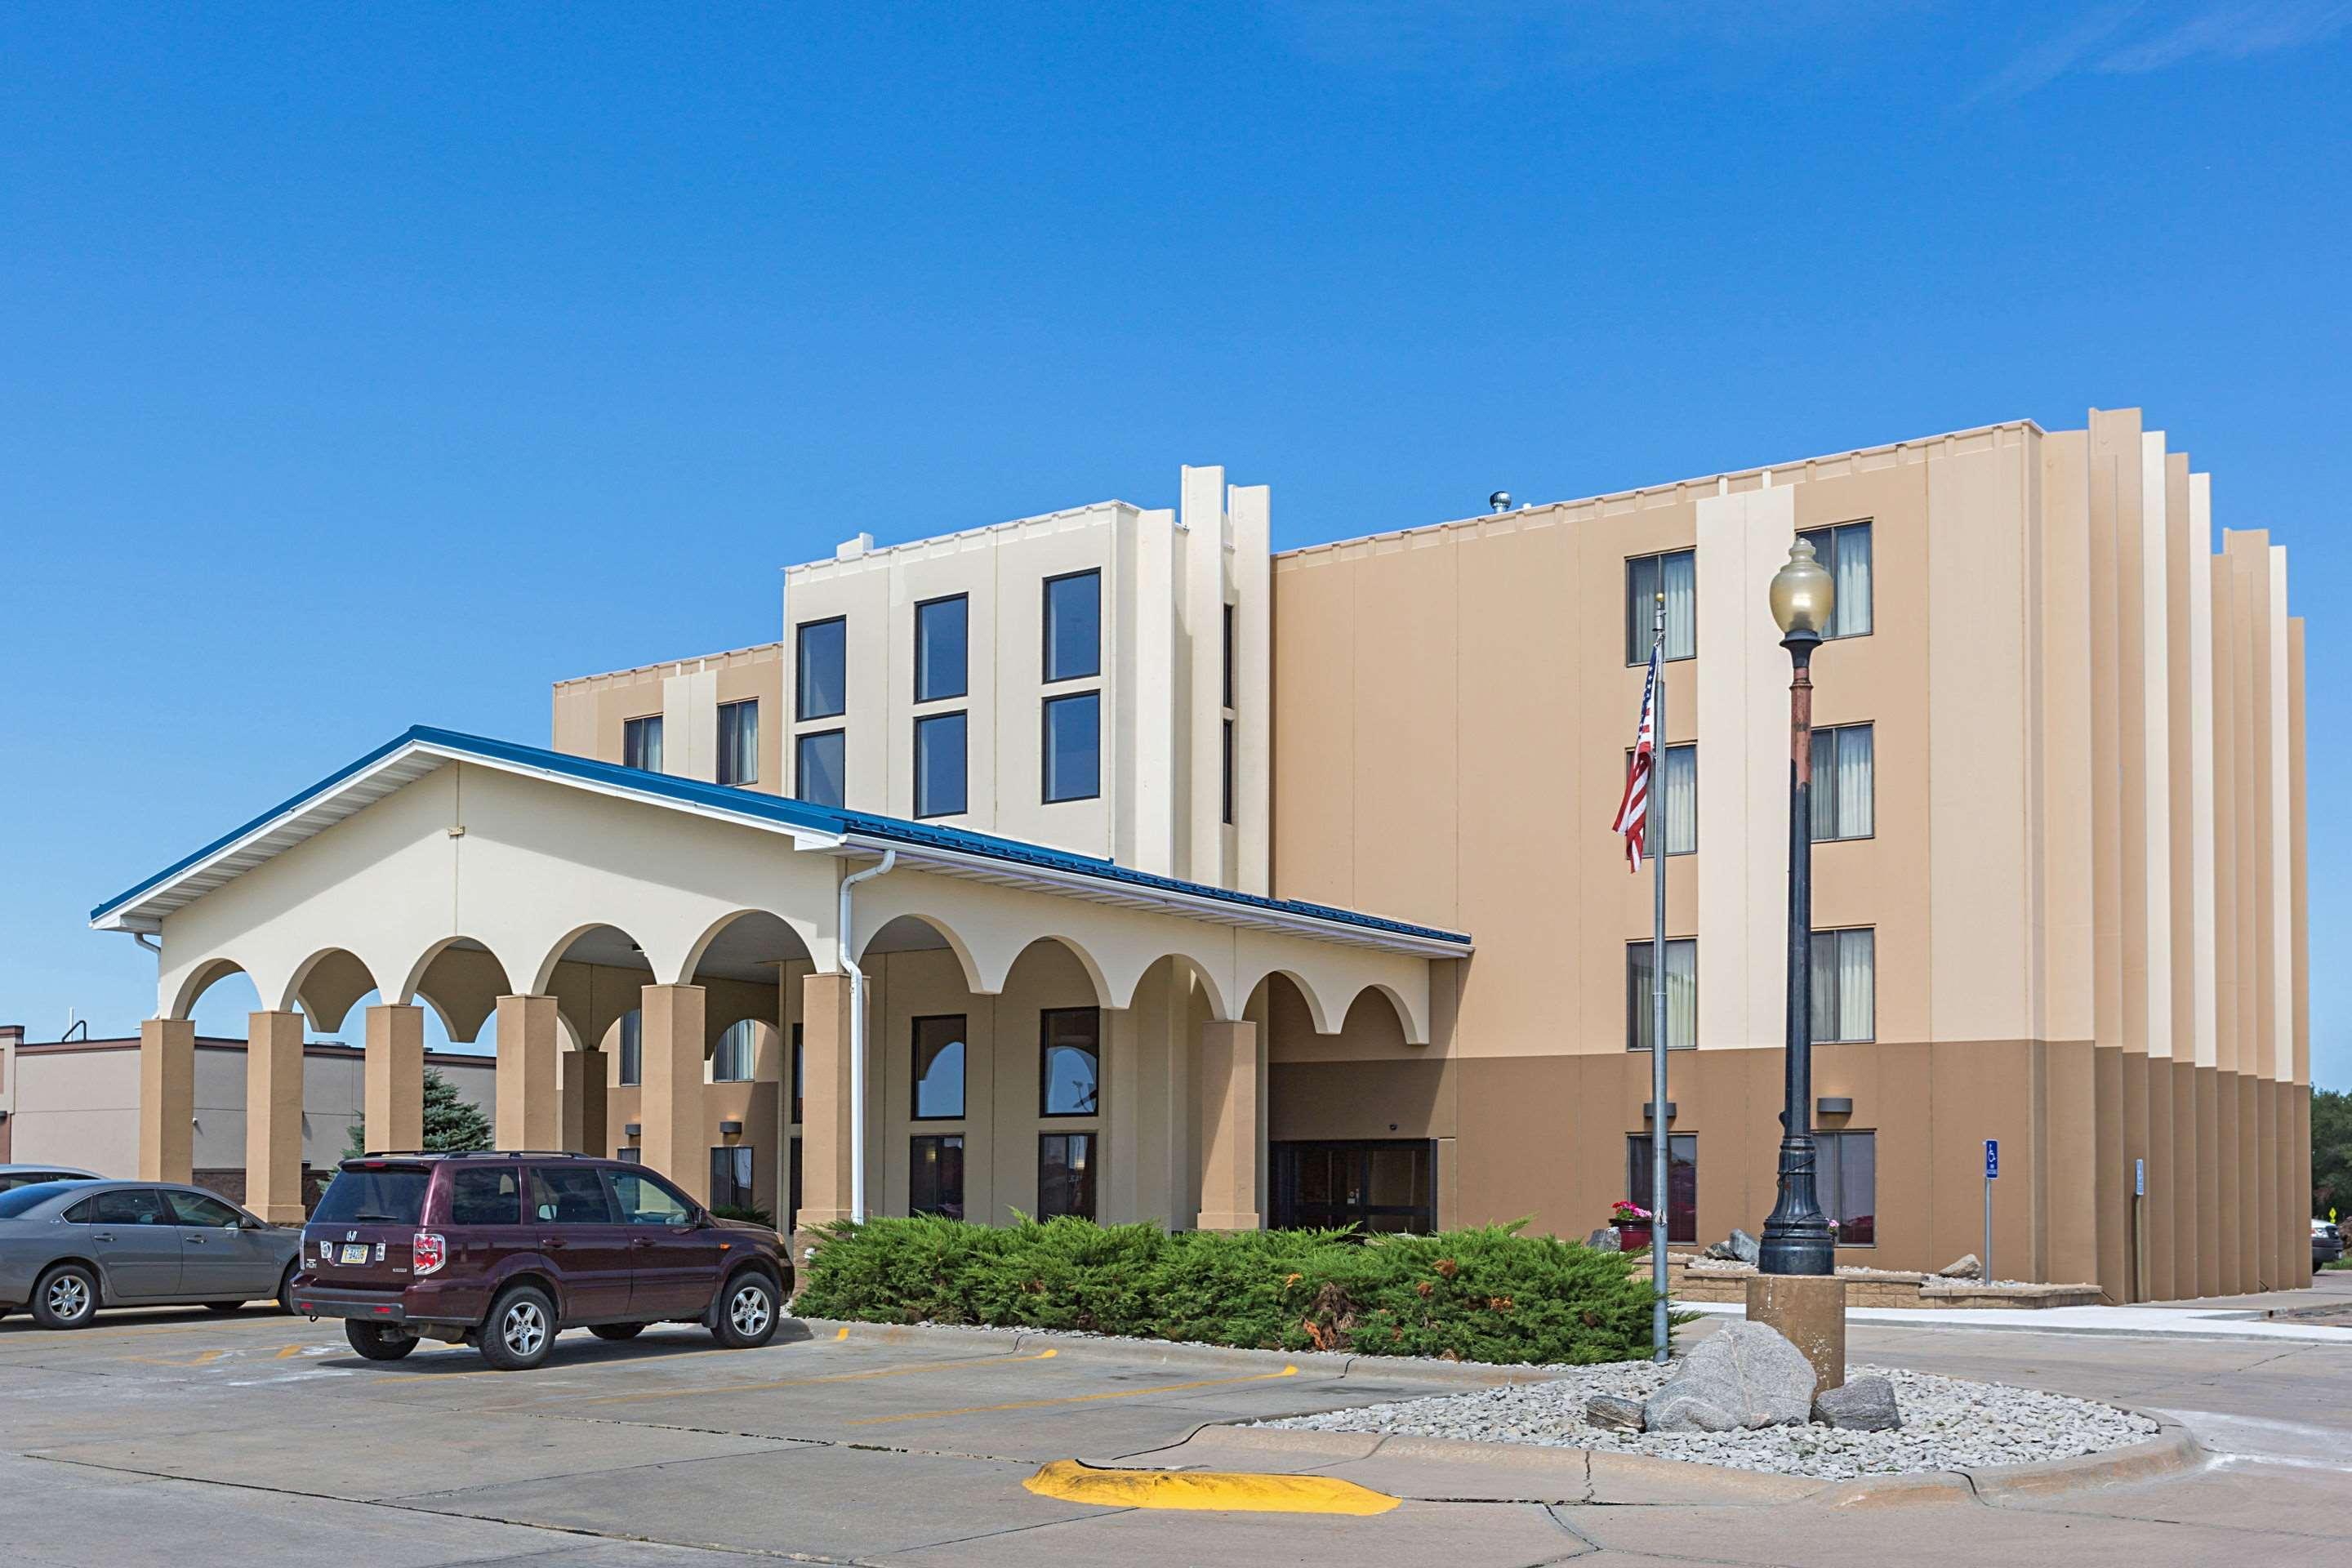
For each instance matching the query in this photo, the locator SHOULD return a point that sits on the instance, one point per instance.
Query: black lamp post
(1796, 1238)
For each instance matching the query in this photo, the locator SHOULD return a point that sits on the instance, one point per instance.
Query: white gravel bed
(1948, 1424)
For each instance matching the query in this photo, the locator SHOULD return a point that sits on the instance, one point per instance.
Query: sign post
(1992, 1172)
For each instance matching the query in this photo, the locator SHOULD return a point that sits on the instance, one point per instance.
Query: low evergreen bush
(1487, 1294)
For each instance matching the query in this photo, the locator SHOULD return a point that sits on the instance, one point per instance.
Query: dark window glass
(1066, 1175)
(641, 743)
(730, 1177)
(386, 1197)
(1069, 1072)
(1073, 625)
(937, 1174)
(16, 1201)
(1229, 655)
(793, 1194)
(1074, 747)
(1846, 1176)
(1380, 1186)
(11, 1179)
(1682, 1181)
(1845, 777)
(571, 1194)
(797, 1071)
(939, 765)
(1228, 772)
(938, 1068)
(1682, 995)
(732, 1057)
(1674, 573)
(633, 1046)
(821, 664)
(485, 1195)
(133, 1205)
(1844, 554)
(941, 638)
(1674, 799)
(1845, 984)
(203, 1209)
(739, 742)
(631, 1155)
(817, 769)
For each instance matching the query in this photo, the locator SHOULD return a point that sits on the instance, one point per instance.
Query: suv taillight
(428, 1251)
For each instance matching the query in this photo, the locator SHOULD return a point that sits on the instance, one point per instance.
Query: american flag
(1634, 811)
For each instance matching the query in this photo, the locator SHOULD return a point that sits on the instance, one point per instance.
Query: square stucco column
(1232, 1148)
(527, 1115)
(581, 1081)
(824, 1106)
(670, 1033)
(394, 1074)
(167, 1099)
(273, 1117)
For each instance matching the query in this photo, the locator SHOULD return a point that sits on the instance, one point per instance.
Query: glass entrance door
(1375, 1184)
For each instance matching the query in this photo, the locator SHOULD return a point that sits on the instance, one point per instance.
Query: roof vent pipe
(844, 931)
(1499, 502)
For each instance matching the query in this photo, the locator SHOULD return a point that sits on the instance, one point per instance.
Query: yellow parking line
(1237, 1491)
(842, 1335)
(971, 1364)
(204, 1358)
(1075, 1398)
(290, 1351)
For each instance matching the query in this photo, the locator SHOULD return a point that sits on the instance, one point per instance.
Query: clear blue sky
(371, 366)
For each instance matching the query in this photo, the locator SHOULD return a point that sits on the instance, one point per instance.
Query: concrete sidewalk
(2175, 1321)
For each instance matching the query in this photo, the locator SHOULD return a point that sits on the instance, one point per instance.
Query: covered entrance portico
(1061, 1034)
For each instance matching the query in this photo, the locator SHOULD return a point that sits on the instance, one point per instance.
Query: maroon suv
(504, 1251)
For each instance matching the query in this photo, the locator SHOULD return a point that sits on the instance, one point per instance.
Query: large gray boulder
(1862, 1405)
(1742, 1376)
(1965, 1267)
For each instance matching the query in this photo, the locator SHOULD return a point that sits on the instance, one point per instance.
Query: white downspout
(856, 1035)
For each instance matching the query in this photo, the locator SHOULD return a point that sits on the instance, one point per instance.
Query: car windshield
(381, 1197)
(23, 1200)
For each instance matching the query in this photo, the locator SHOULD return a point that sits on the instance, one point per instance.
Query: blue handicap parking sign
(1992, 1158)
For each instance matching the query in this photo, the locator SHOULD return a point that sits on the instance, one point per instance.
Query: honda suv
(504, 1251)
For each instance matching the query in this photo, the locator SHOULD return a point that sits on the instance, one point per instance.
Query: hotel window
(1380, 1186)
(633, 1046)
(936, 1184)
(1073, 625)
(1844, 554)
(818, 761)
(739, 742)
(1846, 1176)
(1844, 775)
(793, 1193)
(1676, 574)
(1227, 773)
(822, 661)
(939, 764)
(943, 633)
(1682, 1181)
(939, 1068)
(1069, 1075)
(641, 745)
(1229, 655)
(731, 1059)
(1682, 995)
(730, 1177)
(1073, 742)
(797, 1070)
(1677, 798)
(1845, 985)
(1066, 1175)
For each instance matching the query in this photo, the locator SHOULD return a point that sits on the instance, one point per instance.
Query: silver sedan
(69, 1248)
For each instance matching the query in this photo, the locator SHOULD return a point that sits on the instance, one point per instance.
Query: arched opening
(461, 980)
(922, 933)
(597, 975)
(229, 1105)
(750, 966)
(1359, 1121)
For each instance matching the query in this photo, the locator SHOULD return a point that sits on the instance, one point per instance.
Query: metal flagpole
(1659, 1164)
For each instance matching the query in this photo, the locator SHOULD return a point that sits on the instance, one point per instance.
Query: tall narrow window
(1846, 1177)
(1229, 655)
(1073, 741)
(731, 1058)
(1073, 625)
(633, 1046)
(1675, 793)
(1682, 995)
(1066, 1175)
(1682, 1181)
(730, 1177)
(939, 764)
(1069, 1070)
(641, 743)
(1227, 773)
(798, 1072)
(1843, 780)
(822, 661)
(942, 632)
(1844, 554)
(937, 1176)
(939, 1068)
(1674, 573)
(1845, 985)
(817, 764)
(739, 742)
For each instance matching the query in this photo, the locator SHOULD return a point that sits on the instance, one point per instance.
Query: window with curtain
(1682, 994)
(1066, 1175)
(938, 1068)
(633, 1046)
(937, 1174)
(1844, 778)
(941, 641)
(820, 664)
(1682, 1181)
(818, 764)
(1676, 797)
(1676, 574)
(1073, 625)
(1845, 985)
(730, 1177)
(940, 741)
(641, 743)
(731, 1058)
(1073, 741)
(1846, 1176)
(1844, 554)
(739, 742)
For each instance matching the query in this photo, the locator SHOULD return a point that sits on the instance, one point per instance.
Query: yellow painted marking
(1237, 1491)
(290, 1351)
(203, 1358)
(1077, 1398)
(842, 1335)
(971, 1364)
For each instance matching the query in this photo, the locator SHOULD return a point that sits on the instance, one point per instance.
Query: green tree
(450, 1121)
(2331, 1151)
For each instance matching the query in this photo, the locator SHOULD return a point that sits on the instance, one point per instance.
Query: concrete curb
(2171, 1451)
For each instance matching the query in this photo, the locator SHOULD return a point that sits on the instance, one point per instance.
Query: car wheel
(617, 1330)
(65, 1298)
(520, 1331)
(746, 1317)
(378, 1342)
(224, 1307)
(286, 1290)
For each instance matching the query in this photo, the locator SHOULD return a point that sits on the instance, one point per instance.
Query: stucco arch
(1319, 1007)
(326, 985)
(461, 984)
(203, 978)
(1396, 1003)
(1182, 964)
(974, 980)
(1104, 995)
(790, 937)
(542, 973)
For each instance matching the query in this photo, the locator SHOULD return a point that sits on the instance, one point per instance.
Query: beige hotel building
(1203, 884)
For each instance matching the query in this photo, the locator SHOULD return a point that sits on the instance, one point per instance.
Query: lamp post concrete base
(1808, 1311)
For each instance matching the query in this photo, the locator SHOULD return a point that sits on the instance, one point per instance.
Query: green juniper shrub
(1488, 1293)
(749, 1213)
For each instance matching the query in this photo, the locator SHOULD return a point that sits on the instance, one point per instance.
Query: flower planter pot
(1632, 1237)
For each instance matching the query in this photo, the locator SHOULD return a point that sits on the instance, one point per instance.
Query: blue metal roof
(752, 807)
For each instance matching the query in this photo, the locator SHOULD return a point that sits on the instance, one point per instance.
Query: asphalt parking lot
(260, 1440)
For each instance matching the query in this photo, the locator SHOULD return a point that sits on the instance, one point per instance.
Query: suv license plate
(355, 1252)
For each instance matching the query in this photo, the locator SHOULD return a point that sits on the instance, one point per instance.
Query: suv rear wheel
(745, 1318)
(520, 1330)
(378, 1342)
